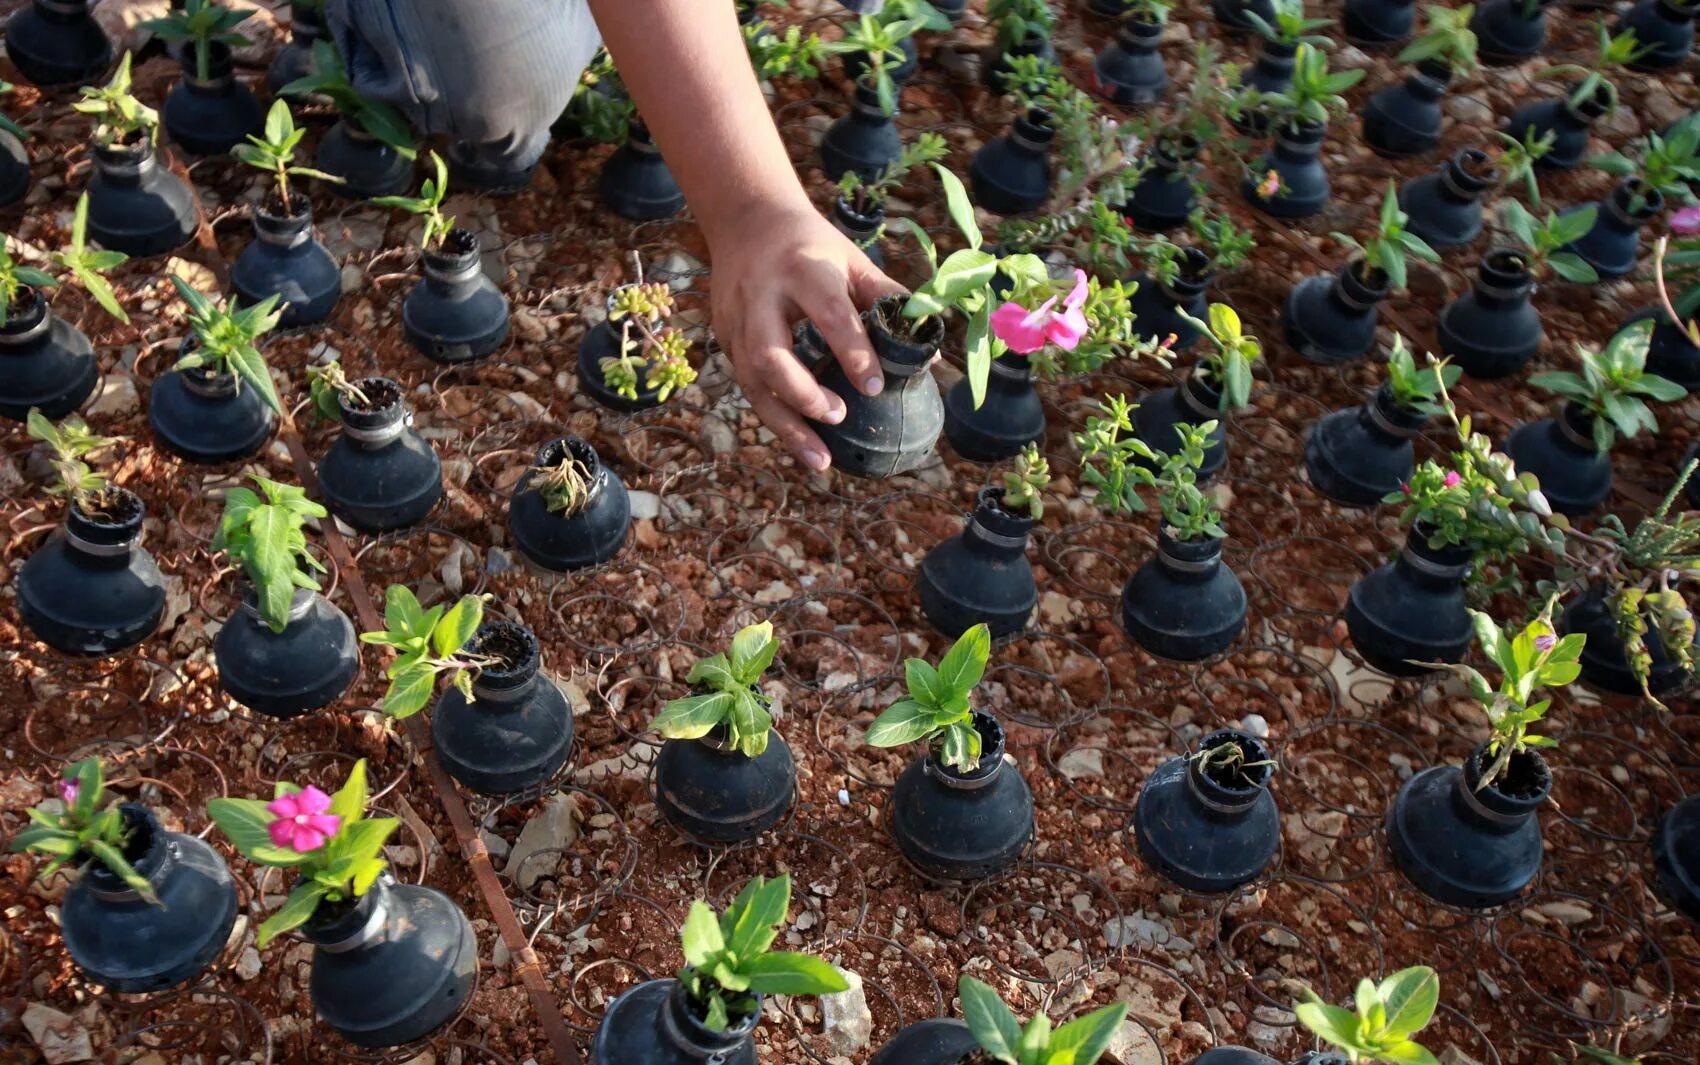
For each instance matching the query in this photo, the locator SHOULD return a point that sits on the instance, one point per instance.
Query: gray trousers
(492, 75)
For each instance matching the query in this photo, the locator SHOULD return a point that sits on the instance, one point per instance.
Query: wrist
(756, 215)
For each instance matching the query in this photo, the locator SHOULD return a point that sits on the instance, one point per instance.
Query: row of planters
(393, 963)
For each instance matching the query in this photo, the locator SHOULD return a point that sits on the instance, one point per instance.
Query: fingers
(772, 368)
(825, 298)
(868, 283)
(787, 426)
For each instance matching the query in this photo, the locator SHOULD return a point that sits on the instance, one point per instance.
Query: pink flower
(68, 791)
(1546, 643)
(1452, 478)
(1169, 341)
(1270, 185)
(302, 824)
(1686, 222)
(1026, 332)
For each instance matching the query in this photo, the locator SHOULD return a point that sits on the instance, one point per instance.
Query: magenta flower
(68, 791)
(1271, 184)
(1026, 332)
(302, 824)
(1452, 478)
(1686, 222)
(1543, 644)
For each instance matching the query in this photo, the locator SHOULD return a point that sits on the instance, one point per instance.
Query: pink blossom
(1545, 643)
(302, 824)
(1169, 341)
(1686, 222)
(1452, 478)
(68, 791)
(1026, 332)
(1270, 185)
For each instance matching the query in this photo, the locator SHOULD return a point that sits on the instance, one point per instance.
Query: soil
(299, 206)
(108, 507)
(1525, 777)
(507, 645)
(744, 533)
(381, 394)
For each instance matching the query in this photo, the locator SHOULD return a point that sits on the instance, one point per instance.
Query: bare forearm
(687, 68)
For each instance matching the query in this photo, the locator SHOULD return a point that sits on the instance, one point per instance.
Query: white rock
(846, 1023)
(117, 396)
(248, 963)
(1133, 1045)
(555, 827)
(645, 505)
(1255, 725)
(1081, 762)
(1143, 933)
(60, 1038)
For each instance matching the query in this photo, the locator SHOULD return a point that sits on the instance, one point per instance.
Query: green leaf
(978, 353)
(246, 360)
(787, 973)
(965, 271)
(294, 912)
(924, 684)
(1224, 323)
(957, 202)
(749, 925)
(714, 672)
(1406, 1053)
(693, 716)
(905, 721)
(965, 663)
(1572, 267)
(961, 748)
(700, 937)
(452, 631)
(1089, 1036)
(410, 689)
(349, 801)
(752, 651)
(994, 1026)
(244, 822)
(1332, 1024)
(1411, 996)
(114, 860)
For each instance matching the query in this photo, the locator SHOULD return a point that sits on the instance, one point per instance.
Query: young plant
(1386, 251)
(1388, 1015)
(865, 197)
(1610, 52)
(86, 265)
(205, 23)
(1544, 240)
(564, 486)
(1516, 158)
(787, 55)
(427, 643)
(428, 205)
(880, 40)
(1612, 384)
(600, 104)
(1116, 464)
(1019, 20)
(267, 538)
(1081, 1041)
(647, 342)
(1233, 352)
(1313, 94)
(1534, 659)
(728, 961)
(326, 384)
(1228, 245)
(1290, 27)
(329, 78)
(1417, 390)
(87, 825)
(273, 151)
(226, 340)
(1641, 571)
(729, 694)
(1668, 165)
(15, 278)
(335, 850)
(963, 283)
(1022, 486)
(120, 119)
(936, 709)
(1448, 39)
(1151, 12)
(68, 443)
(6, 122)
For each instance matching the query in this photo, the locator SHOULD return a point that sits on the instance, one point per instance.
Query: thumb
(868, 282)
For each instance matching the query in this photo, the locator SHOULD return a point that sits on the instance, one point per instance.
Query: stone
(718, 437)
(248, 964)
(680, 270)
(1146, 1006)
(1133, 1045)
(646, 506)
(1081, 762)
(1451, 1055)
(1056, 609)
(1567, 913)
(197, 275)
(1061, 963)
(59, 1037)
(1465, 107)
(1143, 933)
(1255, 725)
(116, 397)
(555, 827)
(846, 1023)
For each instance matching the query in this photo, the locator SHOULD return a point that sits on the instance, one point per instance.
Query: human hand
(777, 270)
